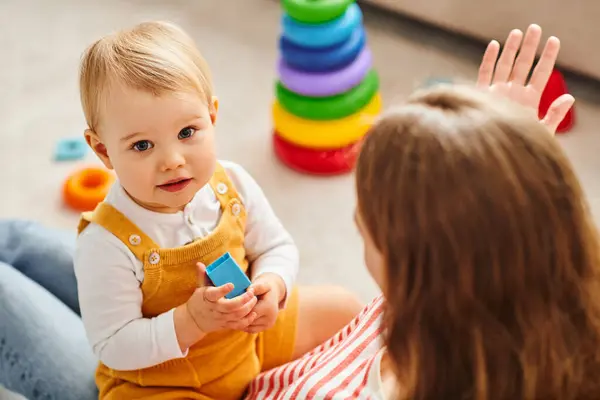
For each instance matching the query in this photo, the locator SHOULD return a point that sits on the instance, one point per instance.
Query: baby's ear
(93, 140)
(214, 108)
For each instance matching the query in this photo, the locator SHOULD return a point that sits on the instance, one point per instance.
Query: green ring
(332, 107)
(315, 12)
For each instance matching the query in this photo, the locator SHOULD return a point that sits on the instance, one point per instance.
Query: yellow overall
(223, 363)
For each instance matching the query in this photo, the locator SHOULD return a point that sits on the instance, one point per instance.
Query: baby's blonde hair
(156, 57)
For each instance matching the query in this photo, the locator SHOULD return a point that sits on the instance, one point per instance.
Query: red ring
(316, 162)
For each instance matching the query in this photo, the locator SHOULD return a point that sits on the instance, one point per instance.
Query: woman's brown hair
(492, 256)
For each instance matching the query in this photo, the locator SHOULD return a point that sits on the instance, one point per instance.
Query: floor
(39, 104)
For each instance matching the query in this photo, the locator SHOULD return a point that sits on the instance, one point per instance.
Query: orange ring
(87, 187)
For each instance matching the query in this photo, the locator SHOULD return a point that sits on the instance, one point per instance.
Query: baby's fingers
(260, 287)
(243, 323)
(202, 276)
(214, 294)
(242, 312)
(230, 305)
(260, 324)
(255, 328)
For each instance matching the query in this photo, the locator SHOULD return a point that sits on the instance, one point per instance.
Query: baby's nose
(173, 160)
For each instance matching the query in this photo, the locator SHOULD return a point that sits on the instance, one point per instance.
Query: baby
(158, 327)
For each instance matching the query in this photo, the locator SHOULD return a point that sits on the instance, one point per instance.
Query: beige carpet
(41, 43)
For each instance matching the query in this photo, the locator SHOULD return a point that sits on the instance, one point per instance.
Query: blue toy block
(71, 149)
(225, 270)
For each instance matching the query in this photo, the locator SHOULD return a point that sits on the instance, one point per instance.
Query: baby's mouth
(175, 185)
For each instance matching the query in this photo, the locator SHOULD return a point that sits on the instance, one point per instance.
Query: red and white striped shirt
(338, 369)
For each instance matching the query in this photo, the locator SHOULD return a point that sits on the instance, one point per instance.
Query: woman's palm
(524, 95)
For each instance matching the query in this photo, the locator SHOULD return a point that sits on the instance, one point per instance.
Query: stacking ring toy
(317, 162)
(334, 107)
(325, 134)
(322, 84)
(323, 59)
(315, 12)
(322, 35)
(84, 189)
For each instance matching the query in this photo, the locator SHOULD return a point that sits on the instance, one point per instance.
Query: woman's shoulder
(374, 308)
(376, 305)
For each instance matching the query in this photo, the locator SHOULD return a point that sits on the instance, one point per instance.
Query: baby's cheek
(204, 164)
(134, 175)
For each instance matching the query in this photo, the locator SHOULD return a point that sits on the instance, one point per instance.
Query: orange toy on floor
(87, 187)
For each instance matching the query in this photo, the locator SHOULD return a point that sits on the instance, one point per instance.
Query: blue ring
(325, 59)
(322, 35)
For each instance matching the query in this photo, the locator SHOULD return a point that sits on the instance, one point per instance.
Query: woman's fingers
(526, 55)
(507, 57)
(545, 65)
(488, 63)
(557, 112)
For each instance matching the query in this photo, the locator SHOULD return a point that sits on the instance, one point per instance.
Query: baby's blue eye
(186, 133)
(142, 145)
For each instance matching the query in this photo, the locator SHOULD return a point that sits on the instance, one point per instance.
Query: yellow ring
(325, 134)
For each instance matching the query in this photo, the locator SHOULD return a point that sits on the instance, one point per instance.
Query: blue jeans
(44, 353)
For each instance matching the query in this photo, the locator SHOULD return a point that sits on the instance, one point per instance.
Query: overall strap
(223, 187)
(119, 225)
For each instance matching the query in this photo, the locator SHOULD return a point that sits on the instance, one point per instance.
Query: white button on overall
(154, 258)
(222, 188)
(135, 240)
(236, 209)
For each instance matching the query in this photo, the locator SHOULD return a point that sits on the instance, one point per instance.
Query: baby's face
(161, 148)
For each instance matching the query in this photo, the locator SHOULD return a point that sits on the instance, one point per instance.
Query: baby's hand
(211, 311)
(270, 288)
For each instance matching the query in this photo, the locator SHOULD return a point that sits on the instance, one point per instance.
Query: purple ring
(323, 84)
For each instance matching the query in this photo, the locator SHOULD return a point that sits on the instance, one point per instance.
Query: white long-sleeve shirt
(109, 276)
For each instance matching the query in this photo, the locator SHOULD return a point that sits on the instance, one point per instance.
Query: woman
(477, 231)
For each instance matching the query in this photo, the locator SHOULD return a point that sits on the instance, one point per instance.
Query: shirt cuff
(167, 336)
